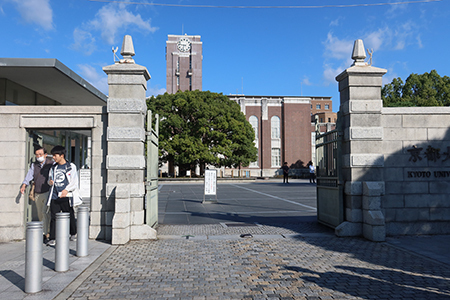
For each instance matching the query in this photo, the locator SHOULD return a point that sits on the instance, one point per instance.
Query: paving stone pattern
(296, 267)
(218, 229)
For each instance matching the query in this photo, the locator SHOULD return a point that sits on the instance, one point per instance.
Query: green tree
(428, 89)
(200, 127)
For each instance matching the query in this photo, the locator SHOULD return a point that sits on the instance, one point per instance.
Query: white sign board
(210, 182)
(85, 183)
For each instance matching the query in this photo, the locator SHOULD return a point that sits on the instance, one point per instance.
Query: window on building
(275, 126)
(321, 120)
(276, 157)
(253, 120)
(254, 163)
(178, 81)
(329, 120)
(178, 65)
(327, 106)
(317, 106)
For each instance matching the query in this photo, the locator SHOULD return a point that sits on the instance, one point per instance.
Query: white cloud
(336, 22)
(95, 76)
(306, 81)
(36, 11)
(330, 73)
(375, 39)
(337, 48)
(155, 91)
(112, 18)
(84, 41)
(397, 37)
(419, 41)
(395, 10)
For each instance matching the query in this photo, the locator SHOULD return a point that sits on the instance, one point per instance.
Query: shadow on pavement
(366, 283)
(49, 264)
(14, 278)
(402, 266)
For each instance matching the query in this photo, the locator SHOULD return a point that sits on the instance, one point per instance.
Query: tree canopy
(201, 127)
(428, 89)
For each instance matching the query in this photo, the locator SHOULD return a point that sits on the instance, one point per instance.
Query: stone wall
(416, 145)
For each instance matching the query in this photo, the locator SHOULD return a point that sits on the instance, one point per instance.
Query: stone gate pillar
(125, 161)
(362, 154)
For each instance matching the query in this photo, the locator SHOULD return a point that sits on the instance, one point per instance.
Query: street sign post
(210, 190)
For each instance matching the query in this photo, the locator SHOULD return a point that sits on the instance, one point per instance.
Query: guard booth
(330, 192)
(44, 103)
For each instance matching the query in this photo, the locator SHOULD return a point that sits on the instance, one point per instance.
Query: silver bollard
(33, 258)
(62, 242)
(82, 231)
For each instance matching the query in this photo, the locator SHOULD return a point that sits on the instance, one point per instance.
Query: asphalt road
(261, 202)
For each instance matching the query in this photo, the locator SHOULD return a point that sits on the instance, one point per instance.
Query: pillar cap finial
(127, 50)
(359, 54)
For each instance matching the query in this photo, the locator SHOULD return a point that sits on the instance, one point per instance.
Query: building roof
(51, 78)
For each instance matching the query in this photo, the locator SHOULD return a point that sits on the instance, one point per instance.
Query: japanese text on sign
(210, 182)
(431, 154)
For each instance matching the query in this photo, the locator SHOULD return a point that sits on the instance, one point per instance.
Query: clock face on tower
(184, 45)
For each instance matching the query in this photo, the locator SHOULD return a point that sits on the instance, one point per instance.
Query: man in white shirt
(63, 179)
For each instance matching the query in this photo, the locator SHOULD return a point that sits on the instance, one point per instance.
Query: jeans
(61, 205)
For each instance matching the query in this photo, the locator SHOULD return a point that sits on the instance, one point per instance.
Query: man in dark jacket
(285, 173)
(38, 173)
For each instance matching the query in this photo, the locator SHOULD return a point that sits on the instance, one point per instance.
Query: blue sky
(255, 51)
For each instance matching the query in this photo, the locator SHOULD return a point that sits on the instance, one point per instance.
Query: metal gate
(330, 197)
(151, 186)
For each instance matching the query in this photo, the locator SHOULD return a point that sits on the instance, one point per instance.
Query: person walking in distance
(38, 173)
(312, 175)
(63, 179)
(285, 172)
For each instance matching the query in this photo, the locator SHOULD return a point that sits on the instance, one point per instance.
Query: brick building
(184, 63)
(283, 130)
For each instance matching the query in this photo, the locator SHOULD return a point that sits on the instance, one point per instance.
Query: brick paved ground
(276, 263)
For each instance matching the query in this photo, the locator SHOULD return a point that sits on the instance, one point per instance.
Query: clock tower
(184, 63)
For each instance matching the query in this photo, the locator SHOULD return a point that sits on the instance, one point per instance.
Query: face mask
(40, 159)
